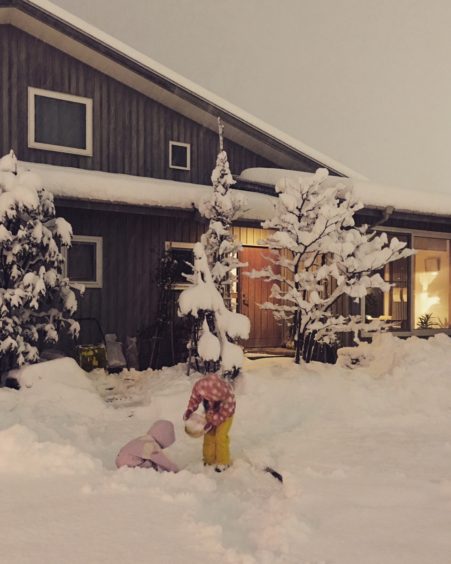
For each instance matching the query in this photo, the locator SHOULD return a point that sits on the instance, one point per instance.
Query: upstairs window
(179, 155)
(59, 122)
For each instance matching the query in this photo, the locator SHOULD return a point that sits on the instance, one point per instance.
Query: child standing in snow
(146, 451)
(219, 403)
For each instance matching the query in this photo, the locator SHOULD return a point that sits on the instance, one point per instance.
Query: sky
(366, 82)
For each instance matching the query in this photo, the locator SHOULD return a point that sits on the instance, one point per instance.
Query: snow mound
(365, 455)
(21, 453)
(61, 379)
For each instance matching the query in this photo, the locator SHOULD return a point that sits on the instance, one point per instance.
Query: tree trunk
(299, 344)
(309, 347)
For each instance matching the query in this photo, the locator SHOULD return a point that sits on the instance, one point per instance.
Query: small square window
(182, 254)
(59, 122)
(84, 261)
(179, 155)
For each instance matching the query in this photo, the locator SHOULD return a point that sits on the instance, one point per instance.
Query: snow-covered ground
(365, 454)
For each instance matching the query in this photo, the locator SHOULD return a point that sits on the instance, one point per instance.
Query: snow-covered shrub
(36, 301)
(315, 240)
(216, 327)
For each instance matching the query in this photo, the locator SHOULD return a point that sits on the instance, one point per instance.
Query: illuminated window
(432, 283)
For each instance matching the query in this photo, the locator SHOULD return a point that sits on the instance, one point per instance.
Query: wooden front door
(265, 330)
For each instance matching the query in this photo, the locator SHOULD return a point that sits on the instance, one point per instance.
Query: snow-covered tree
(221, 208)
(36, 301)
(322, 255)
(212, 342)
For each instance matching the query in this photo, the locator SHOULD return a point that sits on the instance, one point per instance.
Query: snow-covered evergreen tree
(36, 301)
(221, 209)
(216, 326)
(208, 301)
(326, 256)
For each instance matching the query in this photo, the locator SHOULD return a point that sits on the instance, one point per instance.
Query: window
(84, 261)
(419, 299)
(182, 254)
(179, 155)
(59, 122)
(392, 306)
(432, 308)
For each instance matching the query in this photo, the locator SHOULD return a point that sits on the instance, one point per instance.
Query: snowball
(194, 426)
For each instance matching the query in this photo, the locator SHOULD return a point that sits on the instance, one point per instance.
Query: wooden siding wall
(250, 236)
(131, 132)
(132, 247)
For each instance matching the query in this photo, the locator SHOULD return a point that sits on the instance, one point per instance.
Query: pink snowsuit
(219, 395)
(146, 451)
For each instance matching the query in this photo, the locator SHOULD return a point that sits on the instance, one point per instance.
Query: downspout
(386, 214)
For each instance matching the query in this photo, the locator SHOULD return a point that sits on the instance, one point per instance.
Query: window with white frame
(84, 261)
(59, 122)
(182, 255)
(179, 155)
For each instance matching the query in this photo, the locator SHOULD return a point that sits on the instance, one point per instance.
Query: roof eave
(238, 129)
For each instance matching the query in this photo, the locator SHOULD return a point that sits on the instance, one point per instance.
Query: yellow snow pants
(217, 444)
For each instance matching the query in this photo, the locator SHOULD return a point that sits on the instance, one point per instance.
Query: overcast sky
(367, 82)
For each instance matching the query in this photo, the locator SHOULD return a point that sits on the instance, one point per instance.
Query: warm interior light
(431, 283)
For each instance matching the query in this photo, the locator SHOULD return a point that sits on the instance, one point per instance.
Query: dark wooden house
(128, 146)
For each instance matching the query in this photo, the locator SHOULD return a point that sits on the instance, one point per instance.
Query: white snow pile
(78, 184)
(365, 453)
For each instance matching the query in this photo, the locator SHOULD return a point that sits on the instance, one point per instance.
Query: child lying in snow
(219, 402)
(145, 451)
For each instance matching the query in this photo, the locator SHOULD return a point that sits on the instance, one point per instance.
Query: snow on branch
(328, 257)
(218, 326)
(222, 208)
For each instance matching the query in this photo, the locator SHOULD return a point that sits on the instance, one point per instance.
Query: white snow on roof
(174, 77)
(369, 193)
(95, 186)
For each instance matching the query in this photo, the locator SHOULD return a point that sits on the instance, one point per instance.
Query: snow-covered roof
(370, 194)
(106, 187)
(177, 81)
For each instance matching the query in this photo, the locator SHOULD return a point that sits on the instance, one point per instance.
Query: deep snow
(365, 454)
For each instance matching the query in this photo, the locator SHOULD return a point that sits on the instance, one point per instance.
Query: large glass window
(432, 283)
(392, 306)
